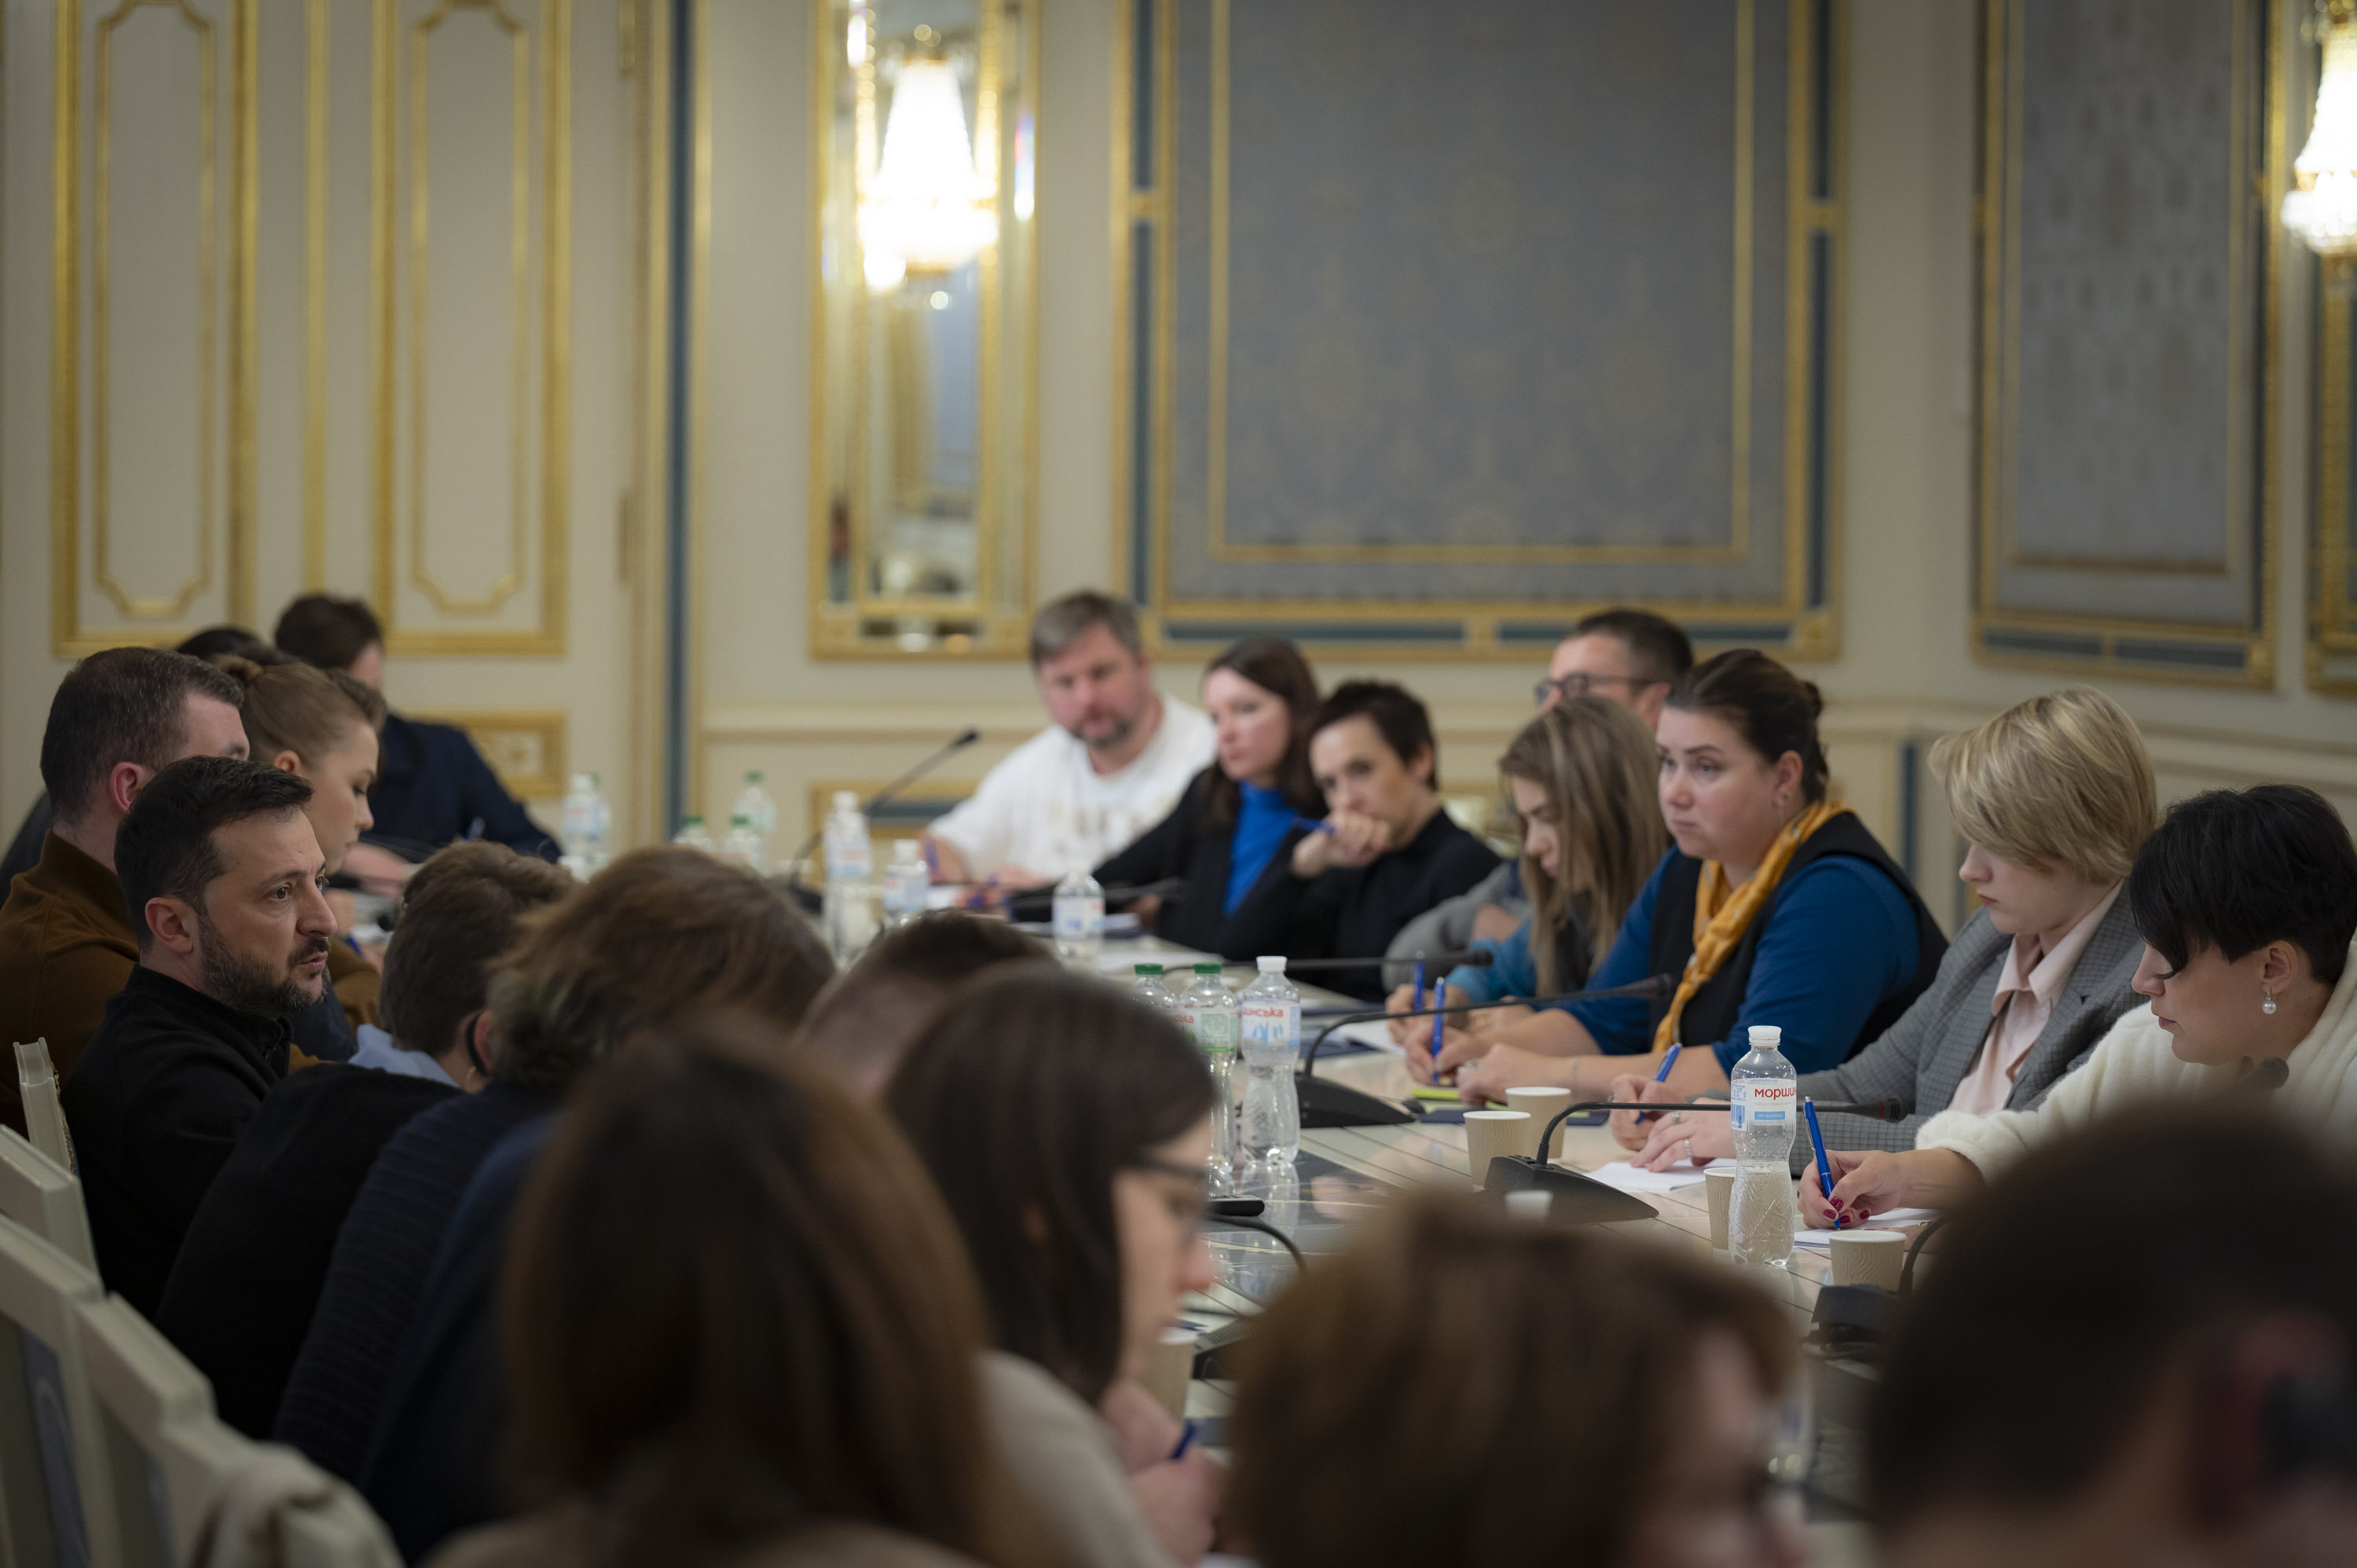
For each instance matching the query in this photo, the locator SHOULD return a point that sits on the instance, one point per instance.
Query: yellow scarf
(1722, 914)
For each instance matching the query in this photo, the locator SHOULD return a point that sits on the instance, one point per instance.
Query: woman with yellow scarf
(1776, 907)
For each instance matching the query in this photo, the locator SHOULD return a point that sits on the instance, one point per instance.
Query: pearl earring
(2268, 1006)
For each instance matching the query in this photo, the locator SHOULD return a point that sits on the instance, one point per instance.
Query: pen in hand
(1824, 1167)
(1669, 1061)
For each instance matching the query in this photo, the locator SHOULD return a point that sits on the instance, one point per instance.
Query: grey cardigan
(1923, 1057)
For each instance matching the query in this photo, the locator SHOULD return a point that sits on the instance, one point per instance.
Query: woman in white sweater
(2247, 903)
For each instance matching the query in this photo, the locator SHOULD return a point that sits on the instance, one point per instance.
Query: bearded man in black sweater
(226, 889)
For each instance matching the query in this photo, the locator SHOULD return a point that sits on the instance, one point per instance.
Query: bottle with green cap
(1207, 1011)
(1148, 988)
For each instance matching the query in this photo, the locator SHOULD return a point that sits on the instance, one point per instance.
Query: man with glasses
(1625, 656)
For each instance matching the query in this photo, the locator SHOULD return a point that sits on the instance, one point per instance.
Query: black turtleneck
(161, 1096)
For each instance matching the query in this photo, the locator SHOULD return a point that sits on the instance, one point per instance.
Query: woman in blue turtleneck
(1235, 825)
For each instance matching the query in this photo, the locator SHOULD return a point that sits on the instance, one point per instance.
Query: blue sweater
(1839, 939)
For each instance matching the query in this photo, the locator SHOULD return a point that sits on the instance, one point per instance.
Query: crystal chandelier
(928, 208)
(2323, 210)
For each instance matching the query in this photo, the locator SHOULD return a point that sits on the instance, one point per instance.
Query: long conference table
(1346, 1171)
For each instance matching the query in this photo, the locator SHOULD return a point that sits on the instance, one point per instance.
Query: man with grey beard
(224, 883)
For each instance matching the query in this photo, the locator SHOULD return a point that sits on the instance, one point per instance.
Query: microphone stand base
(1580, 1200)
(1324, 1103)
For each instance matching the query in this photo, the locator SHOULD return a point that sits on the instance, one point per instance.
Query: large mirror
(923, 369)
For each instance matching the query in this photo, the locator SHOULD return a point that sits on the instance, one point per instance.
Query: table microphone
(808, 895)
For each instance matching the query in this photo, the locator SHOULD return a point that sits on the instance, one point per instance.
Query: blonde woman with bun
(2053, 798)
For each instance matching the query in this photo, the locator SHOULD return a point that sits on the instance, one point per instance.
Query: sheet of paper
(1629, 1179)
(1898, 1218)
(1370, 1036)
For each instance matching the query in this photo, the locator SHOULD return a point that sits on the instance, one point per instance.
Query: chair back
(192, 1492)
(44, 1198)
(56, 1493)
(149, 1396)
(45, 1119)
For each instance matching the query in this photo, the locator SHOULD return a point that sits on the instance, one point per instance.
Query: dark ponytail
(1772, 709)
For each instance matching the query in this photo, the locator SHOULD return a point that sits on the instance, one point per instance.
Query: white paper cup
(1868, 1257)
(1718, 1184)
(1170, 1369)
(1495, 1134)
(1544, 1104)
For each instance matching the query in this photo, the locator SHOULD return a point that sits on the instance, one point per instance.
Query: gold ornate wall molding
(2153, 600)
(100, 452)
(525, 746)
(538, 68)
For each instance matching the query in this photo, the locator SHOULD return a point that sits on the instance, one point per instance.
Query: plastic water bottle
(1760, 1214)
(1148, 988)
(583, 826)
(753, 804)
(1269, 1013)
(743, 846)
(1079, 918)
(1207, 1011)
(907, 882)
(691, 835)
(849, 856)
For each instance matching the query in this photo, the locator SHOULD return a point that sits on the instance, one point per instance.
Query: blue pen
(1824, 1167)
(1440, 999)
(1312, 825)
(1186, 1441)
(1669, 1061)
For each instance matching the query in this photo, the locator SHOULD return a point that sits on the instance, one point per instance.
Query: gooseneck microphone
(891, 792)
(1456, 958)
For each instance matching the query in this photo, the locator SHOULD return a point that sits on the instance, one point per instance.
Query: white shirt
(1044, 809)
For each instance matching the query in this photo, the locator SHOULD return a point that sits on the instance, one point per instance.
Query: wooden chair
(44, 1198)
(57, 1500)
(187, 1485)
(45, 1119)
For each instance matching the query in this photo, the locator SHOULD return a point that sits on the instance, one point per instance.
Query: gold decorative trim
(510, 739)
(315, 296)
(837, 628)
(1998, 227)
(1815, 628)
(226, 550)
(555, 137)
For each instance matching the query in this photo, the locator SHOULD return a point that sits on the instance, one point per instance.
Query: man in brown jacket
(66, 942)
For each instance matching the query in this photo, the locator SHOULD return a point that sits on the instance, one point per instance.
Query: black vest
(1711, 1011)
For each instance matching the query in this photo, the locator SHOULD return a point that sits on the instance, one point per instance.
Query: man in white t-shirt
(1113, 765)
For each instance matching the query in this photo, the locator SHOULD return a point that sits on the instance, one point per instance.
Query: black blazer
(1181, 845)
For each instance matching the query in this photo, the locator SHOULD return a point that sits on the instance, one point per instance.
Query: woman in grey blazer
(2053, 798)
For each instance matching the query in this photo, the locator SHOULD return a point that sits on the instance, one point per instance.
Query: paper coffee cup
(1544, 1104)
(1868, 1257)
(1718, 1183)
(1495, 1134)
(1170, 1369)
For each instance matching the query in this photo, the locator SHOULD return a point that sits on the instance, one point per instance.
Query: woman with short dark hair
(1068, 1127)
(1386, 851)
(2247, 903)
(739, 1330)
(1775, 905)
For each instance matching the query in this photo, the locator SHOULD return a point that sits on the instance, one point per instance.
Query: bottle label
(1077, 920)
(1272, 1031)
(1766, 1103)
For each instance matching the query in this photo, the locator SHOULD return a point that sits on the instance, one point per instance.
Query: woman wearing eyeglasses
(1068, 1128)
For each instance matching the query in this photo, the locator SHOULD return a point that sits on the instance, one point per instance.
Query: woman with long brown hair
(1068, 1125)
(738, 1329)
(1236, 824)
(1581, 779)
